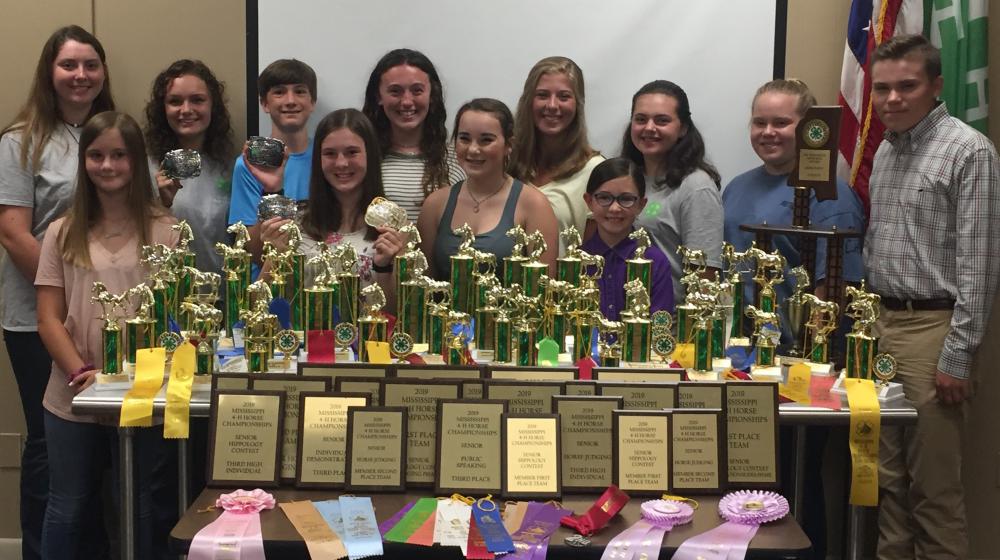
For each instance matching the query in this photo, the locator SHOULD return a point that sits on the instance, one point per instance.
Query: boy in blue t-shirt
(287, 92)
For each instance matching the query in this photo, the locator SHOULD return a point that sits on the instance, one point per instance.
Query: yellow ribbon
(694, 503)
(176, 416)
(137, 407)
(684, 354)
(797, 388)
(864, 438)
(464, 499)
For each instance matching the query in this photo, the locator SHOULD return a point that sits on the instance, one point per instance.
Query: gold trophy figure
(294, 264)
(160, 260)
(694, 263)
(736, 293)
(346, 259)
(437, 311)
(512, 265)
(525, 325)
(408, 266)
(553, 311)
(795, 310)
(534, 269)
(205, 320)
(583, 307)
(569, 267)
(139, 331)
(703, 297)
(204, 288)
(372, 326)
(862, 347)
(463, 265)
(639, 267)
(185, 261)
(609, 347)
(111, 335)
(320, 298)
(260, 329)
(821, 322)
(765, 338)
(236, 264)
(638, 329)
(770, 272)
(486, 281)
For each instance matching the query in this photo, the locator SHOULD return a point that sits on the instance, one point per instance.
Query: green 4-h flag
(959, 29)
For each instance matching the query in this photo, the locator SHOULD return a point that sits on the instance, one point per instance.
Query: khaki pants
(921, 502)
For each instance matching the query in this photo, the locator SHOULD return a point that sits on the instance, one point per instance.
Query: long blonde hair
(527, 158)
(86, 209)
(39, 116)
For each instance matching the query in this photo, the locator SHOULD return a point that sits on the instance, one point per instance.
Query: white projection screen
(719, 51)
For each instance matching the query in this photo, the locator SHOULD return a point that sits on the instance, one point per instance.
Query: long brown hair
(39, 116)
(86, 209)
(527, 157)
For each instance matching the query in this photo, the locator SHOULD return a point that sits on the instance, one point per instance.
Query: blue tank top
(494, 241)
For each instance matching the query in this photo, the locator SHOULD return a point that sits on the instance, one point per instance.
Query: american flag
(871, 22)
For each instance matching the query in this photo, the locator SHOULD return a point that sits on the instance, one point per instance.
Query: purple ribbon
(744, 511)
(385, 526)
(645, 537)
(531, 540)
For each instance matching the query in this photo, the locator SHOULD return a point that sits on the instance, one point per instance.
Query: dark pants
(813, 498)
(31, 364)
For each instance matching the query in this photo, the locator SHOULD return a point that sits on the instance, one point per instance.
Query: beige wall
(143, 37)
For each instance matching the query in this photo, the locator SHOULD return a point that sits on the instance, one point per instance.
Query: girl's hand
(270, 178)
(387, 245)
(84, 380)
(270, 233)
(168, 188)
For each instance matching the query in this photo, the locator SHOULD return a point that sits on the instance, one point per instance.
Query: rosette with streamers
(744, 511)
(645, 537)
(236, 533)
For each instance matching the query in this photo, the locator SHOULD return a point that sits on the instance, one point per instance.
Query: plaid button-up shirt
(933, 232)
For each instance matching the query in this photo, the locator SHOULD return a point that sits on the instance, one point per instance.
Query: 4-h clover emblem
(817, 133)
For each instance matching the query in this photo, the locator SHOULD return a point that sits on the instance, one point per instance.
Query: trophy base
(112, 382)
(481, 356)
(280, 365)
(695, 375)
(815, 368)
(742, 342)
(433, 359)
(641, 365)
(721, 365)
(767, 373)
(888, 393)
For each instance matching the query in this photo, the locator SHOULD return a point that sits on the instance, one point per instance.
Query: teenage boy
(287, 92)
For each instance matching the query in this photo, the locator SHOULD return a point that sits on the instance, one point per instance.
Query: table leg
(799, 474)
(126, 461)
(855, 532)
(183, 477)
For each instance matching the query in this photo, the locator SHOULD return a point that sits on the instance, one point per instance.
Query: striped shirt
(935, 195)
(402, 179)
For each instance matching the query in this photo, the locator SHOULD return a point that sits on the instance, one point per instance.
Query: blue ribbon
(491, 527)
(361, 534)
(281, 308)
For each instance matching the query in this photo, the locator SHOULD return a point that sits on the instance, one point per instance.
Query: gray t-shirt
(204, 202)
(690, 215)
(48, 191)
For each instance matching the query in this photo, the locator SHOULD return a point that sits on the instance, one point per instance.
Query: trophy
(205, 320)
(260, 327)
(638, 331)
(236, 265)
(160, 259)
(111, 335)
(382, 212)
(609, 348)
(821, 322)
(770, 271)
(795, 310)
(437, 311)
(569, 267)
(534, 269)
(500, 299)
(408, 267)
(320, 298)
(553, 313)
(694, 264)
(486, 282)
(181, 164)
(139, 331)
(349, 294)
(372, 326)
(265, 152)
(456, 341)
(295, 286)
(735, 288)
(512, 265)
(184, 261)
(199, 294)
(463, 265)
(703, 297)
(525, 326)
(639, 267)
(584, 305)
(863, 359)
(766, 336)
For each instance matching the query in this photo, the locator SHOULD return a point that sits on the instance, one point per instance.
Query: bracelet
(79, 371)
(386, 268)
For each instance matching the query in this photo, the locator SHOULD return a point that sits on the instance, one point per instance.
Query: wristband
(79, 371)
(386, 268)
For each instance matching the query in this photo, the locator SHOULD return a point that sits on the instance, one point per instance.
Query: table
(91, 401)
(781, 539)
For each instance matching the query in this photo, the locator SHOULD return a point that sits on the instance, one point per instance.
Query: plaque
(587, 440)
(533, 373)
(333, 371)
(642, 451)
(697, 394)
(244, 438)
(420, 397)
(655, 375)
(376, 454)
(370, 385)
(469, 447)
(322, 441)
(524, 397)
(752, 426)
(581, 388)
(472, 389)
(817, 138)
(642, 396)
(291, 385)
(699, 452)
(230, 382)
(438, 372)
(531, 456)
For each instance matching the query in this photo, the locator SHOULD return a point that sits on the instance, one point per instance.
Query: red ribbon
(606, 507)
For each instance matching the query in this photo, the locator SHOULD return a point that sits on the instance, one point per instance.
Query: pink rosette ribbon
(235, 535)
(645, 538)
(744, 511)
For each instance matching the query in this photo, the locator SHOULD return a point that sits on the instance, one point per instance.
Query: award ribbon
(606, 507)
(321, 542)
(744, 511)
(487, 519)
(424, 536)
(412, 520)
(645, 538)
(361, 533)
(329, 510)
(864, 440)
(137, 407)
(452, 527)
(513, 515)
(388, 524)
(176, 415)
(236, 533)
(531, 541)
(476, 548)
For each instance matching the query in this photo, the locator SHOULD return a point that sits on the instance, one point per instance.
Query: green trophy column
(527, 353)
(295, 290)
(411, 307)
(718, 338)
(861, 351)
(348, 299)
(702, 347)
(501, 340)
(111, 342)
(736, 329)
(637, 340)
(161, 311)
(138, 335)
(513, 272)
(462, 283)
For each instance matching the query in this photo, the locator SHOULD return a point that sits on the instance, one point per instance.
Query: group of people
(81, 190)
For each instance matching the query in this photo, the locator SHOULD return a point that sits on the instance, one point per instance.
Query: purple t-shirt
(612, 283)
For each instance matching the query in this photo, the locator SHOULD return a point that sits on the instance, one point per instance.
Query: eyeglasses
(624, 200)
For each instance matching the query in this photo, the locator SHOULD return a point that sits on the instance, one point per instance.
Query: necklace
(477, 201)
(72, 134)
